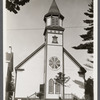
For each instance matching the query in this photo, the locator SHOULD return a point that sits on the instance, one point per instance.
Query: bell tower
(53, 62)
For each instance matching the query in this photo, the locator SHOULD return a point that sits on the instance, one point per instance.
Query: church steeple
(53, 62)
(54, 19)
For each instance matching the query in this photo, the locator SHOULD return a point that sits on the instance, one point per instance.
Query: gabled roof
(54, 10)
(82, 70)
(31, 55)
(64, 50)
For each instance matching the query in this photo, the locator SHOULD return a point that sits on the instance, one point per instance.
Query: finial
(10, 49)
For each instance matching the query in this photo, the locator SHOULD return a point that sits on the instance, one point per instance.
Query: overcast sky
(25, 30)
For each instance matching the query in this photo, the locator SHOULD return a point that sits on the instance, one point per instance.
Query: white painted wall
(48, 21)
(59, 39)
(28, 82)
(57, 52)
(60, 22)
(72, 70)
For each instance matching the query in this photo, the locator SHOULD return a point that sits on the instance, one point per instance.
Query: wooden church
(55, 59)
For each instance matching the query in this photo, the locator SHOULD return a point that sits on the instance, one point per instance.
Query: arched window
(57, 88)
(55, 21)
(51, 86)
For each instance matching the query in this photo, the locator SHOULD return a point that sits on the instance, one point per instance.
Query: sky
(24, 31)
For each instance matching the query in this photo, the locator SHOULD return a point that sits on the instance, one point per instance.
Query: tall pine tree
(89, 94)
(88, 45)
(88, 37)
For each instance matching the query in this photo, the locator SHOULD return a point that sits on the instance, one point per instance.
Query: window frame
(55, 21)
(57, 88)
(51, 86)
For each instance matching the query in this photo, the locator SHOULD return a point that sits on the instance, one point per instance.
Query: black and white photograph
(50, 50)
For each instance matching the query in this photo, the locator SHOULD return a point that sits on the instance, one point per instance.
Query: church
(56, 59)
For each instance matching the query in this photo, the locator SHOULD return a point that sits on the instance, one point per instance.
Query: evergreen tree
(14, 5)
(89, 89)
(88, 37)
(62, 80)
(88, 45)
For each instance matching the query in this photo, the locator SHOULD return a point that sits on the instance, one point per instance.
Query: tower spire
(54, 10)
(53, 19)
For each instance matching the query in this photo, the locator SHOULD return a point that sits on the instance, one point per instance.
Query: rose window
(54, 63)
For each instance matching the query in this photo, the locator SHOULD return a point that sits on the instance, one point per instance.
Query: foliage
(89, 88)
(61, 79)
(88, 46)
(88, 37)
(14, 5)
